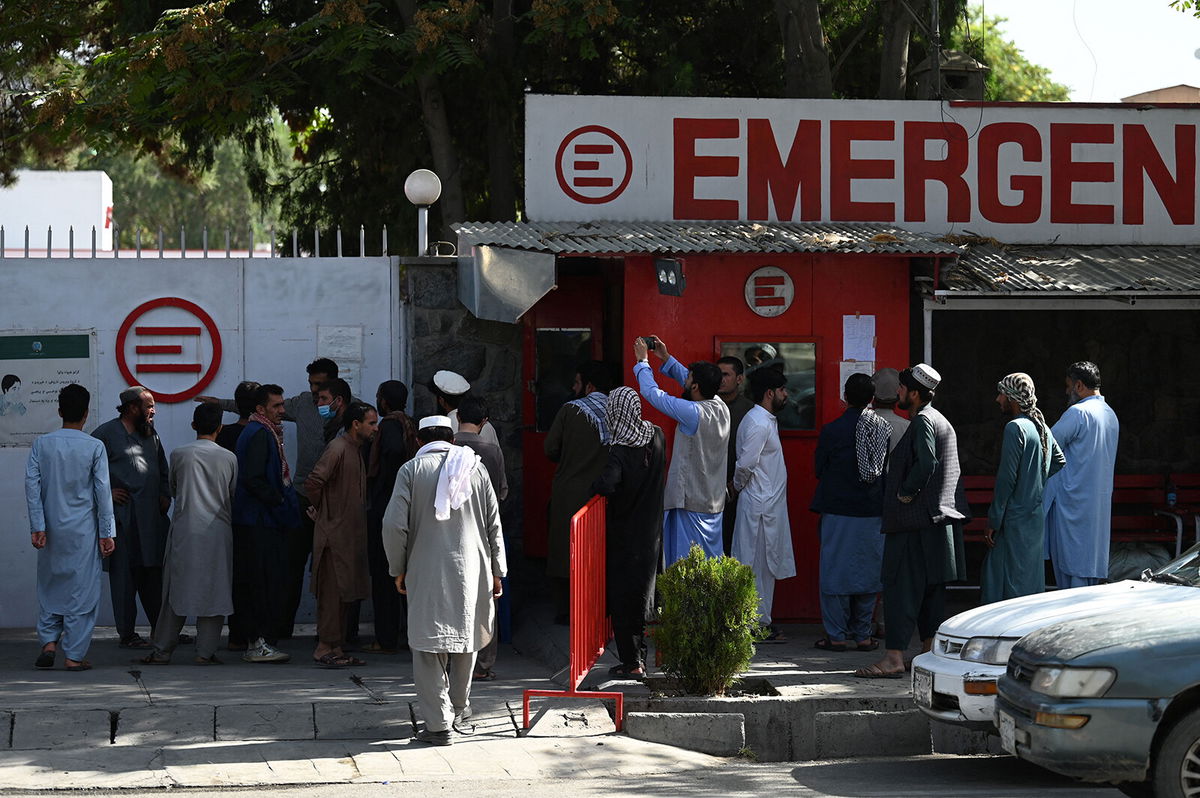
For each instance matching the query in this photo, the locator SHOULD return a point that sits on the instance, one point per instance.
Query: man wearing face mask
(332, 400)
(137, 467)
(1078, 498)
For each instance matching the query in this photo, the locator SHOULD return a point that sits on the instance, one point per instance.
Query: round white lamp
(422, 188)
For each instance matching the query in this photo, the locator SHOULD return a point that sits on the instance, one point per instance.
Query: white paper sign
(858, 337)
(848, 367)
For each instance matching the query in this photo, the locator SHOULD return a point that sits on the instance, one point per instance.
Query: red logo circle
(168, 337)
(595, 165)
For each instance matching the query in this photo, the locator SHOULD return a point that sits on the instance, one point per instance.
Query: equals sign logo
(582, 181)
(165, 349)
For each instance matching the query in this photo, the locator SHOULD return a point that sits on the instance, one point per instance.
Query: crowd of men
(407, 513)
(384, 507)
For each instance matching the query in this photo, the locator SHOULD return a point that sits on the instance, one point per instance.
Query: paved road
(952, 777)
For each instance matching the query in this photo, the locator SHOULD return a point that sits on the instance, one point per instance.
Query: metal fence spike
(362, 240)
(70, 242)
(160, 241)
(250, 233)
(138, 243)
(27, 241)
(295, 243)
(227, 242)
(272, 241)
(93, 241)
(339, 241)
(385, 247)
(316, 242)
(204, 239)
(182, 241)
(49, 241)
(116, 241)
(2, 252)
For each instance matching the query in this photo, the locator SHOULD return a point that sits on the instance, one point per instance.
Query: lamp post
(422, 188)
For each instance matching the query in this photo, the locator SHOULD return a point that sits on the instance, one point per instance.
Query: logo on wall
(769, 291)
(171, 346)
(593, 165)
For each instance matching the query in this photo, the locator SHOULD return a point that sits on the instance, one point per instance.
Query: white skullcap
(448, 382)
(434, 421)
(926, 375)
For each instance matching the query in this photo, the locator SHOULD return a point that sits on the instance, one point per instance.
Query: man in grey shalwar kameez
(445, 548)
(72, 527)
(198, 565)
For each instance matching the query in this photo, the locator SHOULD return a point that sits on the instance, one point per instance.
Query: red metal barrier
(590, 630)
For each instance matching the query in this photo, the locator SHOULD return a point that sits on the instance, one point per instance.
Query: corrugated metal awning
(1057, 269)
(622, 238)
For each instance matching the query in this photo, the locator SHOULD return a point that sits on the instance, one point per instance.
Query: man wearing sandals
(445, 547)
(337, 490)
(72, 526)
(924, 507)
(198, 565)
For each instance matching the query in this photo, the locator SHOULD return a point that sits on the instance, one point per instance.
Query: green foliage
(1011, 78)
(1186, 6)
(709, 621)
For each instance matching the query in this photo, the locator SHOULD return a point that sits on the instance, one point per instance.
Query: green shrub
(708, 623)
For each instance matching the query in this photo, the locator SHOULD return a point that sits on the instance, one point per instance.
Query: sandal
(870, 644)
(354, 661)
(79, 666)
(825, 644)
(375, 648)
(45, 660)
(207, 660)
(331, 661)
(875, 672)
(155, 658)
(636, 671)
(135, 640)
(484, 675)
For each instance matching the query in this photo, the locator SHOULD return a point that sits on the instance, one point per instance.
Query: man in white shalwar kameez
(1078, 499)
(762, 534)
(198, 564)
(72, 526)
(445, 548)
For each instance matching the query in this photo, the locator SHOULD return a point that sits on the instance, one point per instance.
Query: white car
(956, 681)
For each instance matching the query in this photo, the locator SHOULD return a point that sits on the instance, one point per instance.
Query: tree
(1011, 78)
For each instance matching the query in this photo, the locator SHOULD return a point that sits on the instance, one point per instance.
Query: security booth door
(562, 330)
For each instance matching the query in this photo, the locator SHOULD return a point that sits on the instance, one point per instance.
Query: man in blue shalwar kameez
(71, 520)
(1016, 522)
(1078, 499)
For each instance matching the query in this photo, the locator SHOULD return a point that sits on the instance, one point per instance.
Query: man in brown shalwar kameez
(337, 489)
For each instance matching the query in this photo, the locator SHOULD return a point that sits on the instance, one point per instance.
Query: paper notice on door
(848, 367)
(858, 337)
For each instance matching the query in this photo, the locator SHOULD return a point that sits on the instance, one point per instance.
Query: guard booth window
(560, 350)
(798, 362)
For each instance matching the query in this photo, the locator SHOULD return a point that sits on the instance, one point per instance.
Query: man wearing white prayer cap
(445, 548)
(924, 508)
(448, 389)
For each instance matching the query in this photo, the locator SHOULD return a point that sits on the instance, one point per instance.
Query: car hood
(1020, 616)
(1135, 628)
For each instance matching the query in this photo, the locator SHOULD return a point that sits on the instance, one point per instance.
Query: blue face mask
(326, 411)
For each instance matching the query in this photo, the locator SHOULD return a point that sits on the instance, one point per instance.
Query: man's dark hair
(910, 382)
(739, 367)
(263, 393)
(596, 372)
(73, 402)
(431, 434)
(9, 381)
(707, 377)
(338, 389)
(472, 410)
(860, 390)
(206, 418)
(355, 411)
(323, 365)
(243, 397)
(1086, 372)
(763, 380)
(393, 393)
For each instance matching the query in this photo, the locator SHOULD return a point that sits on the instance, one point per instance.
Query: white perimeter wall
(268, 311)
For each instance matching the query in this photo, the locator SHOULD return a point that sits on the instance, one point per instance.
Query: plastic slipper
(488, 675)
(825, 644)
(80, 666)
(375, 648)
(207, 660)
(331, 661)
(868, 645)
(135, 641)
(154, 659)
(636, 671)
(354, 661)
(875, 672)
(45, 660)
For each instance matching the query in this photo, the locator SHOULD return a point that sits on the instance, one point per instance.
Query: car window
(1183, 570)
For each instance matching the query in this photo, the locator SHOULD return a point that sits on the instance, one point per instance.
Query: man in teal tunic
(1016, 521)
(71, 523)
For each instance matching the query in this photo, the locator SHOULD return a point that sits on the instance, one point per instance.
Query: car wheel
(1177, 766)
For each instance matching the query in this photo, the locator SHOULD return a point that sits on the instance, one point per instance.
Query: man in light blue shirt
(1078, 499)
(695, 494)
(71, 521)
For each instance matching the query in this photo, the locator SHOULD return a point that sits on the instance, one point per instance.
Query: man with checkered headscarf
(1015, 535)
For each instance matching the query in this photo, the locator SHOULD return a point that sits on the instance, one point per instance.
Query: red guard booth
(816, 300)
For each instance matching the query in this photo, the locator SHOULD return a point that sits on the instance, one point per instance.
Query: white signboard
(1020, 173)
(33, 369)
(769, 291)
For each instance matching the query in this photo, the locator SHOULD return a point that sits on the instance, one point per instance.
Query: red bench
(1139, 511)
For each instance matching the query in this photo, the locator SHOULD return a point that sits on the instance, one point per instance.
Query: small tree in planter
(708, 623)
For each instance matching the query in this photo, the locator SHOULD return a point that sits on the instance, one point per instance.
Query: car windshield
(1184, 570)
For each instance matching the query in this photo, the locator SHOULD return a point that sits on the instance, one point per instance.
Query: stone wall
(1148, 363)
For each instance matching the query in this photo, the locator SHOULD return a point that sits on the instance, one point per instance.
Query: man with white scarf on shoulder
(445, 548)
